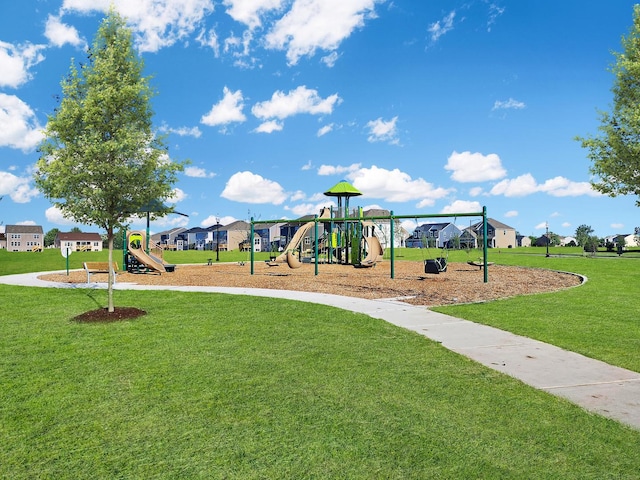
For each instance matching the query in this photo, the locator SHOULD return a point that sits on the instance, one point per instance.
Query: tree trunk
(111, 308)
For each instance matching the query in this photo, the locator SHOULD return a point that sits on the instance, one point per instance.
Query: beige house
(499, 235)
(79, 241)
(24, 238)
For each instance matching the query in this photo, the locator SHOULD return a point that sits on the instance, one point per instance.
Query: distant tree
(591, 244)
(76, 230)
(100, 159)
(583, 232)
(50, 237)
(615, 153)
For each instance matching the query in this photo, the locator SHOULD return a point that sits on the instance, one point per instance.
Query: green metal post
(484, 246)
(391, 234)
(315, 248)
(251, 242)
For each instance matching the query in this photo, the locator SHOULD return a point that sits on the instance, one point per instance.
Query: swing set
(432, 265)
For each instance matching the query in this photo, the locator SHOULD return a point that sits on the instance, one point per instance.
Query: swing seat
(435, 265)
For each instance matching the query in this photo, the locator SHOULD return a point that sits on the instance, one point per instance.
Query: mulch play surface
(461, 283)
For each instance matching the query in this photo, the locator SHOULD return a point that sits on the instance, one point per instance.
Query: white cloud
(249, 187)
(331, 59)
(557, 187)
(324, 130)
(306, 166)
(269, 127)
(170, 221)
(215, 219)
(228, 110)
(19, 189)
(249, 12)
(383, 131)
(462, 206)
(617, 226)
(60, 34)
(198, 172)
(510, 104)
(394, 186)
(209, 39)
(301, 100)
(517, 187)
(439, 28)
(15, 62)
(541, 226)
(474, 167)
(563, 187)
(54, 215)
(19, 127)
(182, 131)
(297, 196)
(318, 24)
(156, 23)
(511, 213)
(475, 191)
(337, 169)
(177, 195)
(309, 208)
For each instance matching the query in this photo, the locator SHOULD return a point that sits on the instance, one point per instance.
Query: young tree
(615, 153)
(50, 237)
(100, 159)
(583, 232)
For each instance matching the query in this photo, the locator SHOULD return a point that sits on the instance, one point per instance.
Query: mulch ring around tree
(102, 315)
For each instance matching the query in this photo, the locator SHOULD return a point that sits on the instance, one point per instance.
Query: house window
(256, 241)
(36, 236)
(15, 235)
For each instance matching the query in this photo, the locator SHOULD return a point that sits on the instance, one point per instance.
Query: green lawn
(215, 386)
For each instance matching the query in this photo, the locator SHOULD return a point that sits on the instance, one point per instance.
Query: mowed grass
(214, 386)
(598, 319)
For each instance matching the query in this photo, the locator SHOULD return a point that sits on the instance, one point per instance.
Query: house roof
(493, 223)
(237, 225)
(78, 236)
(23, 229)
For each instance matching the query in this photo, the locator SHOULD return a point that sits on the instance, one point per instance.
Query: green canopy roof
(343, 189)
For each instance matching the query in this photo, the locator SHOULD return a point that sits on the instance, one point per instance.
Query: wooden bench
(99, 267)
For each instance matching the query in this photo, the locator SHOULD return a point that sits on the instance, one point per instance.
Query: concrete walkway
(596, 386)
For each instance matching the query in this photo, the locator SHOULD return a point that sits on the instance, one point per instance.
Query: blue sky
(424, 106)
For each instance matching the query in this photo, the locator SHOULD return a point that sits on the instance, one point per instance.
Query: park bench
(99, 267)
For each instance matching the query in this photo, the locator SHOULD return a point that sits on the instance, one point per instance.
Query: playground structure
(138, 256)
(367, 242)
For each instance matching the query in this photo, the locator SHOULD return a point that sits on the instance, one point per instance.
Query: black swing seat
(435, 265)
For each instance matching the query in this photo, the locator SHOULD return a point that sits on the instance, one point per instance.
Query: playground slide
(147, 260)
(299, 235)
(375, 252)
(295, 241)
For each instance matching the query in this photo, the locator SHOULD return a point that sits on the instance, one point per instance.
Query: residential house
(167, 239)
(568, 242)
(231, 236)
(78, 241)
(267, 236)
(499, 235)
(436, 235)
(24, 238)
(195, 238)
(523, 241)
(628, 239)
(3, 241)
(383, 228)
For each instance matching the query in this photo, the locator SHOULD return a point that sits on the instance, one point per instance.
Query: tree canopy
(101, 160)
(615, 152)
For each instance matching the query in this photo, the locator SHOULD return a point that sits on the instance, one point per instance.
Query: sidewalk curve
(610, 391)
